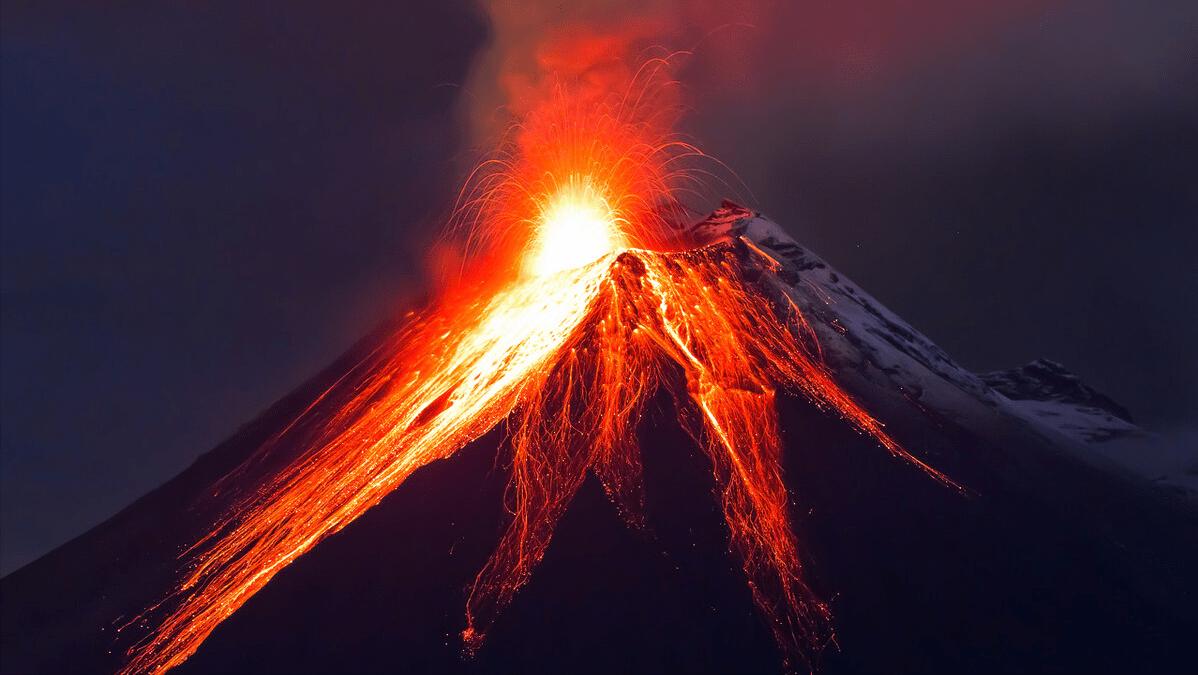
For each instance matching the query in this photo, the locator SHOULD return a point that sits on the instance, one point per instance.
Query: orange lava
(583, 317)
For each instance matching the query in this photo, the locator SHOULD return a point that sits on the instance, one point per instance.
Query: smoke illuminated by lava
(585, 301)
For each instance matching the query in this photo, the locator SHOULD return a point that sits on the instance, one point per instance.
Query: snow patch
(860, 337)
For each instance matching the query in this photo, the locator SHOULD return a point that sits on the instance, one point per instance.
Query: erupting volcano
(593, 299)
(630, 426)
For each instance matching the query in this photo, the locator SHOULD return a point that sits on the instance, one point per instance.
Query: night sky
(204, 203)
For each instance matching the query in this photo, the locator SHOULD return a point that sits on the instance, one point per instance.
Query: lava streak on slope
(583, 315)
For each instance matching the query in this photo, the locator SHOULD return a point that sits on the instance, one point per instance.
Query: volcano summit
(975, 533)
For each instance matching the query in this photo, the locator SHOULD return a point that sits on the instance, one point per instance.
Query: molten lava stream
(569, 350)
(433, 397)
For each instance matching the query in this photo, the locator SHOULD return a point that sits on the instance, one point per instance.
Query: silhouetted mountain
(1055, 563)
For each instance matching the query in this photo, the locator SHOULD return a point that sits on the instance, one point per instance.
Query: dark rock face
(1045, 380)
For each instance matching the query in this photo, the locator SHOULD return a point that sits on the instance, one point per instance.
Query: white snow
(862, 339)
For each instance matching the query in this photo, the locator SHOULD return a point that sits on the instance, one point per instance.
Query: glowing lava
(582, 322)
(575, 226)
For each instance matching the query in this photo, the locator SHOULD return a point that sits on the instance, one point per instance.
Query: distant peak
(1047, 380)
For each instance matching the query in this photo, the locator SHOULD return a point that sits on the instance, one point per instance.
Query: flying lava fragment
(588, 301)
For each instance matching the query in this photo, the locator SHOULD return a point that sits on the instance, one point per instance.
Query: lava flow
(590, 305)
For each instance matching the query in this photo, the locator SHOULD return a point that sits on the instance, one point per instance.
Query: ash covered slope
(1053, 566)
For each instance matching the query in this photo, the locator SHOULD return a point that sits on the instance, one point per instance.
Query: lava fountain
(588, 302)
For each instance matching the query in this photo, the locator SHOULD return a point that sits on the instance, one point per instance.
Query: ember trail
(589, 306)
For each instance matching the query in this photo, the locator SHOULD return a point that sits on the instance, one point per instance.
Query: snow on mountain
(1045, 390)
(865, 341)
(858, 335)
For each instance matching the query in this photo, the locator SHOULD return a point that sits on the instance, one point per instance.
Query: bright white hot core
(576, 226)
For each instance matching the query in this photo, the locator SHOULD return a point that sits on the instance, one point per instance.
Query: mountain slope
(1052, 565)
(864, 340)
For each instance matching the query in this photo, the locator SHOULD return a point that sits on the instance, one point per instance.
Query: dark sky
(203, 203)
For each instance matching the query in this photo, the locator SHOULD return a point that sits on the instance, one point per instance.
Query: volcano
(1000, 542)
